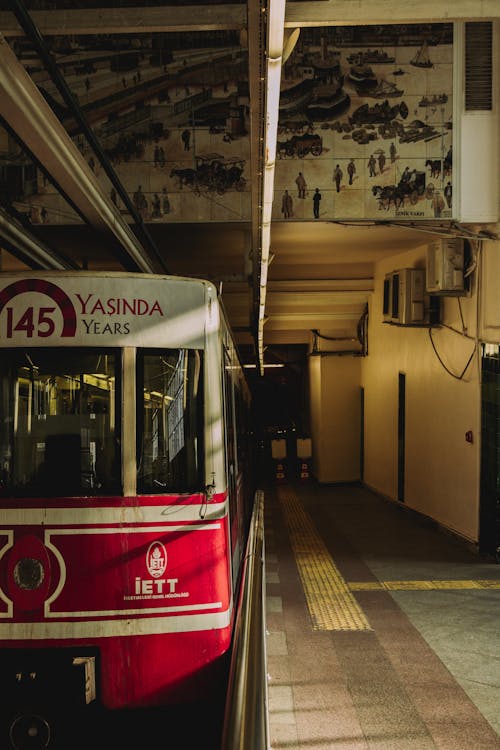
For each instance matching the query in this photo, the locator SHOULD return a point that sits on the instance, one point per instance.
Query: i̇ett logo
(156, 559)
(156, 563)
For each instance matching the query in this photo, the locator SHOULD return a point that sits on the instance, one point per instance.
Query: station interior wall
(335, 417)
(442, 468)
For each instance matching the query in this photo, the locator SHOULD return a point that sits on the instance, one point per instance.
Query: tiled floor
(383, 631)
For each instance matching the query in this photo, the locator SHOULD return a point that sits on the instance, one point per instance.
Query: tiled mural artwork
(365, 124)
(171, 113)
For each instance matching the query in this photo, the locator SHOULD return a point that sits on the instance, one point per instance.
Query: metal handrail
(246, 722)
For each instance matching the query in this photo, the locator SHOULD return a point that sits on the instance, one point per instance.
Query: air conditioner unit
(387, 303)
(405, 300)
(445, 267)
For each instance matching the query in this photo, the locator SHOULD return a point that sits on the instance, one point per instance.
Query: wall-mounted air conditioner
(387, 303)
(445, 267)
(406, 302)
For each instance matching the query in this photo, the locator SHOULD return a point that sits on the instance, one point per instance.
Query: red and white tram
(124, 494)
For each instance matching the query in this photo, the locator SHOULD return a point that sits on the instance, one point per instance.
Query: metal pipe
(28, 248)
(32, 32)
(26, 111)
(246, 722)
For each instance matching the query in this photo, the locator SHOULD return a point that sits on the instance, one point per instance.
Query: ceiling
(320, 272)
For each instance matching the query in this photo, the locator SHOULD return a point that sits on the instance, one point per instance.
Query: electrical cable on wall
(454, 375)
(473, 266)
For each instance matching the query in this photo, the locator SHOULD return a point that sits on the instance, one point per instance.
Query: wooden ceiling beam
(131, 20)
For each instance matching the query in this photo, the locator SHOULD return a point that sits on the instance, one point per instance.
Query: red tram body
(124, 496)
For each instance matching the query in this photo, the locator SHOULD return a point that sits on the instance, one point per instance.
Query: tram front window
(58, 412)
(169, 421)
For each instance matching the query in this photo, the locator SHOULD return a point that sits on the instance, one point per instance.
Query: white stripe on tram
(114, 628)
(106, 515)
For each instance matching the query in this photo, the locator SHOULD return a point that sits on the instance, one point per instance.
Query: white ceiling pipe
(28, 245)
(275, 27)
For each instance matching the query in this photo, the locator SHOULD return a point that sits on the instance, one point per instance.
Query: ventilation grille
(478, 66)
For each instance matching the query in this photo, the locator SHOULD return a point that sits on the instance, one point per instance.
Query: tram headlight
(29, 573)
(30, 732)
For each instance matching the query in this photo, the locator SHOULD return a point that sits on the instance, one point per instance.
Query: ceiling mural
(170, 111)
(365, 124)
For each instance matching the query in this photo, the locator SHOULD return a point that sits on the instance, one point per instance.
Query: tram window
(169, 421)
(59, 411)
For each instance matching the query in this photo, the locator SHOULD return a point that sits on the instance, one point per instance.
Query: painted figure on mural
(405, 177)
(381, 161)
(301, 185)
(186, 137)
(448, 162)
(156, 207)
(448, 194)
(165, 201)
(437, 203)
(316, 202)
(140, 202)
(337, 176)
(372, 164)
(393, 152)
(351, 171)
(287, 205)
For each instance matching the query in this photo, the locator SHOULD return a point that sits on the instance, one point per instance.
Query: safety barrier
(246, 720)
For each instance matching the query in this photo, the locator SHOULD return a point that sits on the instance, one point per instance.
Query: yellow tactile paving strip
(421, 585)
(330, 602)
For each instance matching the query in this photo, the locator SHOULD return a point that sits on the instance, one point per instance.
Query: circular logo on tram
(156, 559)
(29, 573)
(33, 321)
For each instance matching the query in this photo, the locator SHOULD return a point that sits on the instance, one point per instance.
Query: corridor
(382, 629)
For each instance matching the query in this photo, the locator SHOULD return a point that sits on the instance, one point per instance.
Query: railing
(246, 724)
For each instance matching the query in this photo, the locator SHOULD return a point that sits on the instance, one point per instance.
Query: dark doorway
(489, 513)
(401, 435)
(362, 435)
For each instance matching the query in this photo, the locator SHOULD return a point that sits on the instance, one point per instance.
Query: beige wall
(335, 416)
(442, 469)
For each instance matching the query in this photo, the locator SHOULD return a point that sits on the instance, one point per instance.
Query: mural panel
(365, 124)
(171, 113)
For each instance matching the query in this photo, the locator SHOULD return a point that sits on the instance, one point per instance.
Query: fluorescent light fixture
(275, 29)
(263, 274)
(161, 395)
(265, 242)
(272, 108)
(266, 366)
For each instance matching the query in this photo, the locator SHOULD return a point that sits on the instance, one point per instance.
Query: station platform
(382, 629)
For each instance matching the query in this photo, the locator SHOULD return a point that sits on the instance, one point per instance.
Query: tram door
(232, 471)
(489, 515)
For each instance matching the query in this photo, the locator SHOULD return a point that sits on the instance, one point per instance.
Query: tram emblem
(29, 321)
(156, 559)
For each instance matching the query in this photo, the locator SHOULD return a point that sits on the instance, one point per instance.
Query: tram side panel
(131, 590)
